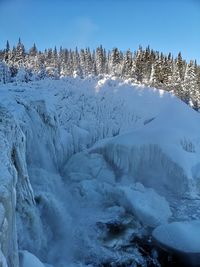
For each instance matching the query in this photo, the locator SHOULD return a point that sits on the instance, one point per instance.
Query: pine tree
(33, 51)
(166, 72)
(115, 62)
(139, 65)
(19, 57)
(76, 64)
(156, 78)
(100, 60)
(180, 65)
(94, 67)
(5, 75)
(82, 62)
(190, 85)
(176, 82)
(22, 75)
(148, 61)
(127, 64)
(88, 62)
(7, 52)
(32, 60)
(69, 64)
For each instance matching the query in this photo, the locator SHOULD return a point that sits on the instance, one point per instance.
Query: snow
(29, 260)
(2, 214)
(163, 153)
(150, 208)
(83, 166)
(3, 261)
(179, 236)
(82, 156)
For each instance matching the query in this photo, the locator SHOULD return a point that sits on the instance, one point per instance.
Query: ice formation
(87, 164)
(179, 236)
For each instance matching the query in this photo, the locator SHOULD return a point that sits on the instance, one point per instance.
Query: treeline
(144, 66)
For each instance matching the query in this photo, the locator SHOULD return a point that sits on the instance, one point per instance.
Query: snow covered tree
(22, 75)
(32, 59)
(7, 52)
(42, 73)
(82, 62)
(127, 64)
(176, 82)
(76, 64)
(190, 85)
(138, 66)
(143, 66)
(147, 61)
(69, 64)
(115, 62)
(33, 51)
(19, 54)
(100, 60)
(5, 75)
(156, 78)
(88, 62)
(180, 65)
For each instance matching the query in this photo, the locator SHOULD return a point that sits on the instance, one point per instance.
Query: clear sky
(166, 25)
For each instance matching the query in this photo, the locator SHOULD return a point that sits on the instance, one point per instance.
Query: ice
(179, 236)
(3, 261)
(29, 260)
(150, 208)
(83, 166)
(77, 154)
(162, 154)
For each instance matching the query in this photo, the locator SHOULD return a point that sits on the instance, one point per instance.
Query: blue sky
(166, 25)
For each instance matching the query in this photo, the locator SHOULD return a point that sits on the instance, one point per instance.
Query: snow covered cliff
(87, 164)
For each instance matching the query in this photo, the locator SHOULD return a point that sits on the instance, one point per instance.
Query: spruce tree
(5, 75)
(19, 57)
(176, 82)
(127, 64)
(76, 64)
(7, 52)
(33, 51)
(190, 86)
(100, 60)
(115, 62)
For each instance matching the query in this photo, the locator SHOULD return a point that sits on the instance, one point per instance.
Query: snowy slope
(82, 159)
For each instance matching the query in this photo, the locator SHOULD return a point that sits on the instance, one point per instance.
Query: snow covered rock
(179, 236)
(150, 208)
